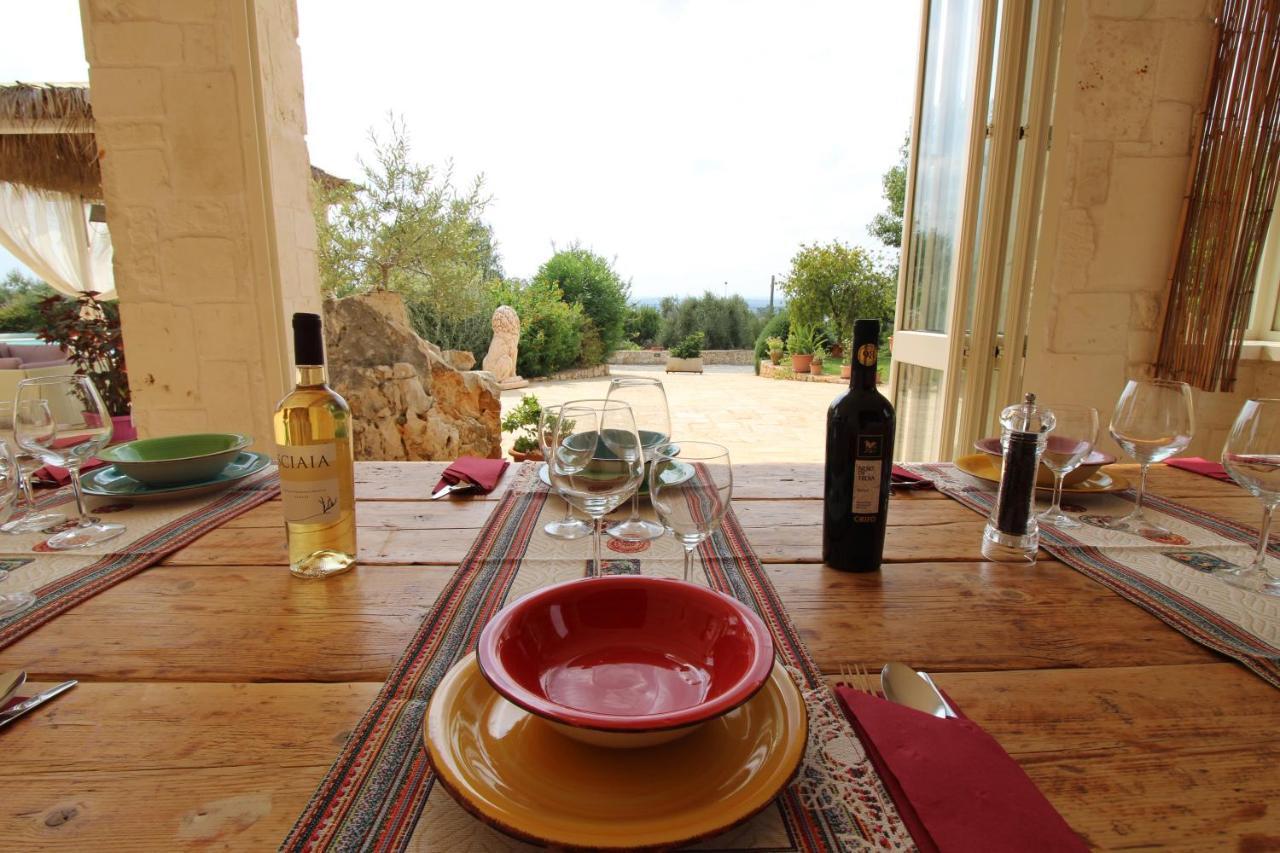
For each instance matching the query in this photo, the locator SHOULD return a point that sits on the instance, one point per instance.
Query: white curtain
(51, 233)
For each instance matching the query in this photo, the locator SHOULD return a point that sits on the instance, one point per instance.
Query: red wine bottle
(860, 424)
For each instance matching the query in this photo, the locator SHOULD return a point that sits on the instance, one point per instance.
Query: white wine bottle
(317, 469)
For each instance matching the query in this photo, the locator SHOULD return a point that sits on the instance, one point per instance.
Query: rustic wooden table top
(216, 689)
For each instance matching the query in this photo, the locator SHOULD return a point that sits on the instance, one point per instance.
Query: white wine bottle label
(309, 482)
(867, 464)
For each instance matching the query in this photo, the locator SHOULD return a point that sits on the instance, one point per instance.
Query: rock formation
(407, 398)
(501, 358)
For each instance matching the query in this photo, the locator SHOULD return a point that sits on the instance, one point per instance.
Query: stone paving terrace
(759, 420)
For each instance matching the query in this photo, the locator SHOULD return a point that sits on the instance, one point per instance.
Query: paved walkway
(759, 420)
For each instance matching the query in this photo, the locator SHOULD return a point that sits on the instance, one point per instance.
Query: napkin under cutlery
(485, 473)
(1199, 465)
(901, 478)
(954, 785)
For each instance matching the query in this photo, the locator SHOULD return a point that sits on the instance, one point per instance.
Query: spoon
(904, 685)
(9, 684)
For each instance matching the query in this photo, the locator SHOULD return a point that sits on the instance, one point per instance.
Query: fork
(857, 676)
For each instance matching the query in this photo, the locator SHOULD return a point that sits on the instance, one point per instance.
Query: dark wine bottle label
(867, 467)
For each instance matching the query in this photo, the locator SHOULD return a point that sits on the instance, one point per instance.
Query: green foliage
(835, 283)
(774, 343)
(587, 279)
(551, 330)
(406, 228)
(726, 322)
(522, 421)
(802, 341)
(690, 347)
(20, 298)
(644, 324)
(591, 350)
(89, 331)
(887, 225)
(777, 326)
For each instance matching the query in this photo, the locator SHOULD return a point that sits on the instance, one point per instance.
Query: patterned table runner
(1170, 576)
(380, 793)
(63, 579)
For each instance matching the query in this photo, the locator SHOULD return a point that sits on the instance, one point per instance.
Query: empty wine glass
(1252, 458)
(597, 460)
(690, 485)
(10, 602)
(648, 401)
(1074, 432)
(1152, 421)
(31, 519)
(68, 431)
(569, 527)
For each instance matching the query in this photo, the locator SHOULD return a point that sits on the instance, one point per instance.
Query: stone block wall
(199, 118)
(659, 357)
(1134, 73)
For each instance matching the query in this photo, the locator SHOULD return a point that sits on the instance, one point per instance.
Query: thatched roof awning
(46, 138)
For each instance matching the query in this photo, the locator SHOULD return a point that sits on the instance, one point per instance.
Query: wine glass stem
(1056, 509)
(25, 480)
(1142, 491)
(568, 512)
(688, 562)
(73, 468)
(635, 506)
(1264, 537)
(596, 535)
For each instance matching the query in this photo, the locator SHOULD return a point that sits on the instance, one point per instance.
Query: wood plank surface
(218, 689)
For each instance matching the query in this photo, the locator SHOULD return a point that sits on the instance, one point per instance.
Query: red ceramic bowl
(626, 660)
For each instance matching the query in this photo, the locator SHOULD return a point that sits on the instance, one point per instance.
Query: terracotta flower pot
(775, 355)
(837, 351)
(522, 456)
(800, 363)
(846, 371)
(816, 368)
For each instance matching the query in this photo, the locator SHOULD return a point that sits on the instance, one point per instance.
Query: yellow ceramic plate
(987, 467)
(518, 774)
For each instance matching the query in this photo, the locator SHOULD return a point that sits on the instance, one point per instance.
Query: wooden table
(216, 689)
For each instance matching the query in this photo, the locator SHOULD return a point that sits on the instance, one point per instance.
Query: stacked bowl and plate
(173, 466)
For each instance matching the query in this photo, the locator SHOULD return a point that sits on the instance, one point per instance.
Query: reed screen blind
(1232, 188)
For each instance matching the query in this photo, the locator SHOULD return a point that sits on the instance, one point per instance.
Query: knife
(35, 701)
(460, 486)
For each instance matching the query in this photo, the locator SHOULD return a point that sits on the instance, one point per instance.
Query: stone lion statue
(501, 358)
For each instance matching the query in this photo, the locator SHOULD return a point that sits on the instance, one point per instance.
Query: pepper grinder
(1011, 534)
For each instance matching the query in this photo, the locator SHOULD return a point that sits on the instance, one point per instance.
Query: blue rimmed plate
(110, 482)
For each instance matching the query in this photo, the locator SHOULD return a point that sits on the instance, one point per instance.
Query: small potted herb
(775, 345)
(819, 355)
(522, 422)
(801, 344)
(686, 356)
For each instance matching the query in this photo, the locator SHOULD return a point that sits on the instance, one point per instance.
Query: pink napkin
(904, 479)
(52, 475)
(1197, 465)
(955, 787)
(485, 473)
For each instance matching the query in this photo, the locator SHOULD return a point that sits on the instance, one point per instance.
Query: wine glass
(690, 485)
(10, 474)
(648, 401)
(32, 519)
(1152, 421)
(569, 527)
(68, 431)
(1074, 432)
(1252, 458)
(597, 460)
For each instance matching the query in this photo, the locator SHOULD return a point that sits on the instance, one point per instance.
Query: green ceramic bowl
(176, 459)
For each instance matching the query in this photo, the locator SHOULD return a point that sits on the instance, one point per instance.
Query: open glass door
(973, 205)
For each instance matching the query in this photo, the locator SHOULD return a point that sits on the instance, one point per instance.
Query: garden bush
(644, 325)
(777, 325)
(587, 279)
(551, 330)
(20, 298)
(727, 322)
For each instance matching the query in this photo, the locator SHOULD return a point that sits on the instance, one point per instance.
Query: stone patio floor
(759, 420)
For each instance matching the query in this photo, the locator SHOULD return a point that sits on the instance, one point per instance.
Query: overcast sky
(695, 143)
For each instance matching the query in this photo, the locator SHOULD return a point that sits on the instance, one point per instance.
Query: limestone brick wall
(199, 114)
(1133, 76)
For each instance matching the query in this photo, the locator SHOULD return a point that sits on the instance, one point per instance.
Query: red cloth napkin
(485, 473)
(955, 787)
(52, 475)
(1197, 465)
(904, 479)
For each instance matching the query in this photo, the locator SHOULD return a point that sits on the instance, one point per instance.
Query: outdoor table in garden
(217, 691)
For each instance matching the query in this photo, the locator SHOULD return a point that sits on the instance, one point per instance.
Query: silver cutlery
(460, 486)
(9, 684)
(951, 712)
(35, 701)
(904, 685)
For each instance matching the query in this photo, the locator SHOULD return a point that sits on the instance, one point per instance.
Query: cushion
(32, 365)
(4, 350)
(10, 364)
(37, 352)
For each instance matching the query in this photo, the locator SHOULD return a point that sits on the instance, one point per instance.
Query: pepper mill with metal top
(1011, 534)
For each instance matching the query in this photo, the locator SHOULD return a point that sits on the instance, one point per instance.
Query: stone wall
(407, 400)
(1133, 77)
(200, 121)
(659, 357)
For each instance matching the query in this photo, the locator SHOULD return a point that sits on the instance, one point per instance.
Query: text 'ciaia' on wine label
(309, 483)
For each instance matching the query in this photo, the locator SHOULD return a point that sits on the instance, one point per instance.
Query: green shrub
(587, 279)
(20, 298)
(726, 322)
(644, 324)
(471, 332)
(522, 422)
(690, 347)
(803, 341)
(776, 326)
(550, 328)
(591, 351)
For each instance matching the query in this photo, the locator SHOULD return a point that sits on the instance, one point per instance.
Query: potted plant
(89, 332)
(686, 356)
(801, 344)
(819, 355)
(846, 363)
(775, 345)
(522, 422)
